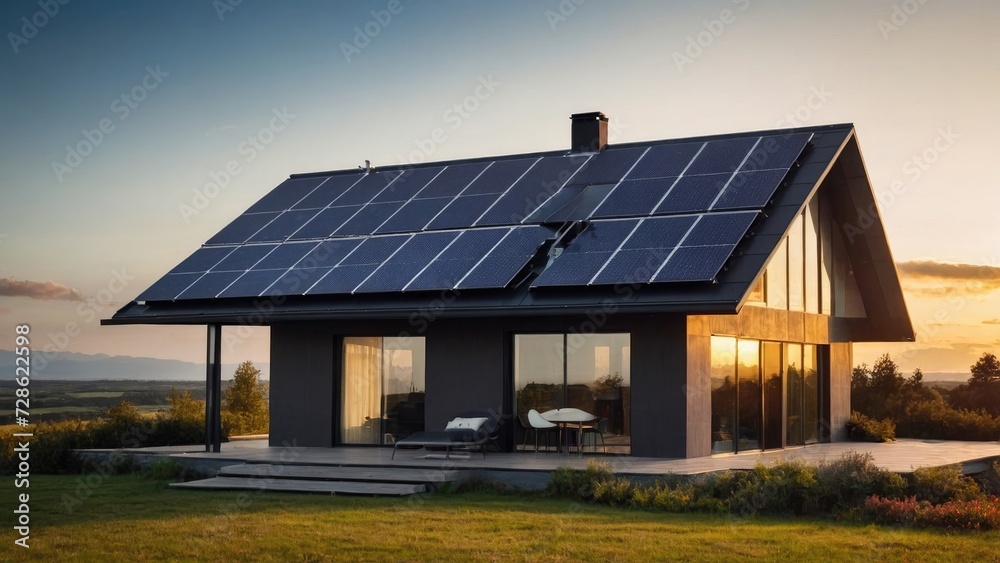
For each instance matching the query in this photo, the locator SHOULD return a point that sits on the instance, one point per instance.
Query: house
(702, 294)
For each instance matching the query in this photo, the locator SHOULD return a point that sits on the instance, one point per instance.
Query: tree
(244, 406)
(985, 370)
(885, 376)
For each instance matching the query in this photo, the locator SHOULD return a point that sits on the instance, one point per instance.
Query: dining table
(565, 417)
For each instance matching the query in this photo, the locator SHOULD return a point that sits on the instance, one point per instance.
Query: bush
(614, 492)
(982, 514)
(860, 428)
(570, 482)
(935, 420)
(847, 482)
(166, 468)
(944, 484)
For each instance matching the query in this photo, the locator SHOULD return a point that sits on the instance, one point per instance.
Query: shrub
(165, 468)
(617, 491)
(944, 484)
(662, 496)
(982, 514)
(861, 428)
(937, 421)
(847, 482)
(785, 487)
(570, 482)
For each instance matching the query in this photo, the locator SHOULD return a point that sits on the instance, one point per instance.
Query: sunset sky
(119, 118)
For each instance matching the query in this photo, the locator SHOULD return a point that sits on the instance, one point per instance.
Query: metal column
(213, 390)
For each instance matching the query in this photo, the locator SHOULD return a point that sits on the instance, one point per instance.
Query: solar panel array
(660, 213)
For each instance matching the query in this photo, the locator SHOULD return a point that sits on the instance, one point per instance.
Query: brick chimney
(590, 132)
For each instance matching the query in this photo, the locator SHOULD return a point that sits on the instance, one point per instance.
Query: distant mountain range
(80, 367)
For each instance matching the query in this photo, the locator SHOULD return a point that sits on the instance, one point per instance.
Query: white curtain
(361, 421)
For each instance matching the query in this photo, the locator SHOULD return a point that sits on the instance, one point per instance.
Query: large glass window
(382, 389)
(774, 400)
(749, 395)
(810, 395)
(723, 394)
(777, 278)
(591, 372)
(811, 257)
(793, 395)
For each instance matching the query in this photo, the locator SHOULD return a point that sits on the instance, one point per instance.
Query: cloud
(46, 291)
(947, 278)
(992, 322)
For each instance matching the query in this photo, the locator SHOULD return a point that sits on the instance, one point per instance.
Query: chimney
(590, 132)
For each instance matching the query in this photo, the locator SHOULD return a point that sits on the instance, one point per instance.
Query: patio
(902, 456)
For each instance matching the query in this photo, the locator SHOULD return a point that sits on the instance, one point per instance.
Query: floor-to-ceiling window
(382, 389)
(764, 394)
(591, 372)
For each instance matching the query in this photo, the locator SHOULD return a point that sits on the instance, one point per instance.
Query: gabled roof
(682, 225)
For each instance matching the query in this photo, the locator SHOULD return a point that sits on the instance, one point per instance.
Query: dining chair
(597, 431)
(539, 424)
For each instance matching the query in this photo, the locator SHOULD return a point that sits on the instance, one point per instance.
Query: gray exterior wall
(302, 392)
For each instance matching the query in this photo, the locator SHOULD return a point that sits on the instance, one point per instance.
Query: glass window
(826, 257)
(774, 417)
(812, 289)
(382, 389)
(749, 395)
(723, 375)
(793, 409)
(796, 291)
(591, 372)
(776, 278)
(810, 395)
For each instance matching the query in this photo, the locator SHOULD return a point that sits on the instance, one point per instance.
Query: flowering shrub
(982, 514)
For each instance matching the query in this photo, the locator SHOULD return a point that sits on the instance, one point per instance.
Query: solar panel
(359, 264)
(539, 184)
(396, 272)
(203, 259)
(287, 194)
(751, 190)
(414, 215)
(500, 176)
(283, 226)
(368, 218)
(453, 180)
(329, 253)
(777, 152)
(242, 228)
(586, 254)
(608, 166)
(571, 203)
(365, 190)
(723, 156)
(693, 193)
(168, 287)
(325, 223)
(296, 281)
(462, 211)
(648, 247)
(452, 265)
(252, 283)
(694, 263)
(498, 268)
(209, 285)
(329, 190)
(660, 232)
(408, 184)
(285, 256)
(720, 228)
(243, 258)
(634, 197)
(662, 161)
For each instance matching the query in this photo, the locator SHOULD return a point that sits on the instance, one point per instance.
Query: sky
(132, 131)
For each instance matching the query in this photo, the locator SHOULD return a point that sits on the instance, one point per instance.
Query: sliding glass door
(382, 389)
(590, 372)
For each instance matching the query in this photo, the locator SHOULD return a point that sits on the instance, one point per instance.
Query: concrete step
(303, 486)
(339, 473)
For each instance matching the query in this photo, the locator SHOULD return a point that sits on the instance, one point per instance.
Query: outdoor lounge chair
(464, 433)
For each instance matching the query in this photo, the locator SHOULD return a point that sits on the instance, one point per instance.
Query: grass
(135, 519)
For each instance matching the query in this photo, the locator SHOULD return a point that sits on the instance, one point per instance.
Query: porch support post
(213, 390)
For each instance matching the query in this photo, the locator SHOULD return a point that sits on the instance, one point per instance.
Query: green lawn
(134, 519)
